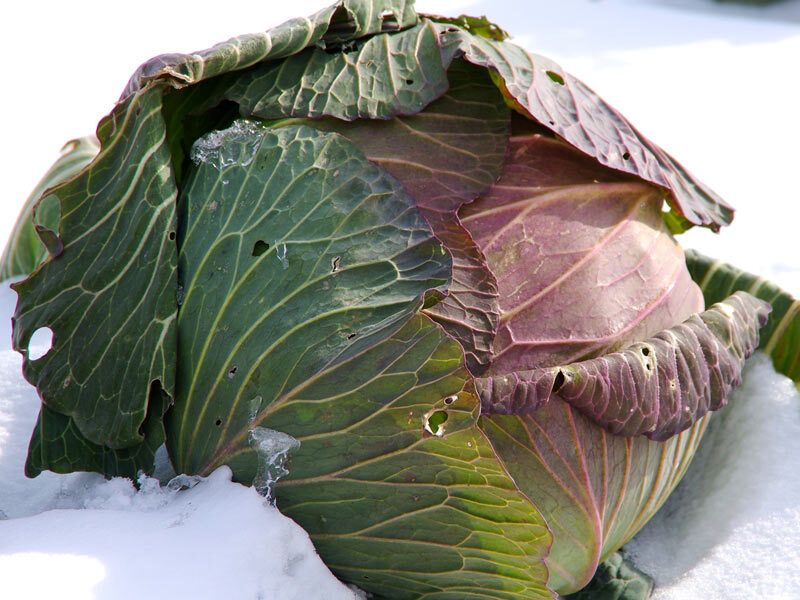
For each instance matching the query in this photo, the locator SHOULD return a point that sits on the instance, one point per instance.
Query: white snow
(716, 85)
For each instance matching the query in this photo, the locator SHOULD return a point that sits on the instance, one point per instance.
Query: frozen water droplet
(273, 449)
(280, 252)
(236, 145)
(183, 482)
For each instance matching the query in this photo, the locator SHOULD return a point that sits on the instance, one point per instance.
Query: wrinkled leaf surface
(780, 337)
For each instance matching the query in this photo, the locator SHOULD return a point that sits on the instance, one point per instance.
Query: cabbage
(439, 263)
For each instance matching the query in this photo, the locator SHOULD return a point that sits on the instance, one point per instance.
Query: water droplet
(183, 482)
(280, 252)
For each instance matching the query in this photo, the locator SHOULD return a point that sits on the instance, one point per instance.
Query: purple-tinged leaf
(658, 387)
(538, 87)
(595, 490)
(583, 261)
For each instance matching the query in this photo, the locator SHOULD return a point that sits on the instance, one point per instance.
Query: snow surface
(716, 85)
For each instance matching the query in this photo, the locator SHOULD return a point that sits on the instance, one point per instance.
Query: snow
(204, 542)
(715, 85)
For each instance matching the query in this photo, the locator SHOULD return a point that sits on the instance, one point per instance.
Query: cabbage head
(442, 264)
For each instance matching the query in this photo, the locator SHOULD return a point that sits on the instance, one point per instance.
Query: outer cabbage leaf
(657, 387)
(293, 247)
(388, 75)
(446, 156)
(542, 90)
(780, 337)
(24, 251)
(385, 75)
(57, 444)
(594, 489)
(108, 295)
(344, 21)
(616, 579)
(303, 265)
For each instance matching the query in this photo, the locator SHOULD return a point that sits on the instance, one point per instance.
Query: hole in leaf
(260, 247)
(645, 351)
(555, 77)
(335, 261)
(626, 156)
(232, 372)
(450, 399)
(410, 81)
(389, 21)
(552, 122)
(352, 335)
(559, 381)
(40, 343)
(171, 236)
(341, 28)
(435, 421)
(218, 422)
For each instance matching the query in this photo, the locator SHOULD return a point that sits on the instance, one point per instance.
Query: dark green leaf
(480, 26)
(780, 337)
(381, 77)
(393, 508)
(348, 251)
(109, 296)
(616, 579)
(345, 20)
(58, 445)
